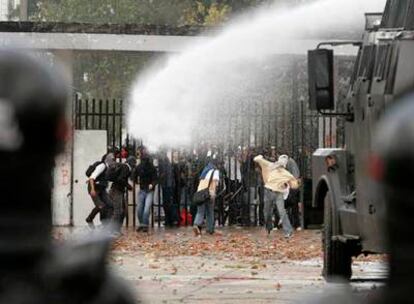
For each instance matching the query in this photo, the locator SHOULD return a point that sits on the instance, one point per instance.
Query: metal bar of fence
(152, 212)
(120, 121)
(275, 127)
(77, 112)
(93, 113)
(330, 131)
(248, 165)
(113, 123)
(107, 120)
(159, 202)
(87, 114)
(100, 114)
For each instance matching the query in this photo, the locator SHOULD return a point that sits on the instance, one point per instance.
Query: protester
(233, 168)
(292, 201)
(178, 168)
(167, 183)
(196, 167)
(249, 182)
(186, 191)
(97, 184)
(146, 176)
(277, 181)
(209, 178)
(120, 184)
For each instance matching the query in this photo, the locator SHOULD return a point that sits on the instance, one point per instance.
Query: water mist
(166, 101)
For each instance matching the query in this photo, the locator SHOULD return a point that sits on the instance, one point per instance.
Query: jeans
(272, 198)
(207, 210)
(144, 207)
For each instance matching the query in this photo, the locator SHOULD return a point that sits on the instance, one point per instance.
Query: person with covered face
(277, 182)
(146, 176)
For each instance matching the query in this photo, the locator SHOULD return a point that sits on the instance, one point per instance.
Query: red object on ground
(185, 214)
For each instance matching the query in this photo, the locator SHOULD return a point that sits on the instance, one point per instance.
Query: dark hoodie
(145, 174)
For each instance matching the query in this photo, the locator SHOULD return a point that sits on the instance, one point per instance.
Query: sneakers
(279, 224)
(197, 230)
(90, 223)
(288, 235)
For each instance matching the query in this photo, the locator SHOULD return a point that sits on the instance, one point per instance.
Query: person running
(97, 184)
(277, 182)
(209, 178)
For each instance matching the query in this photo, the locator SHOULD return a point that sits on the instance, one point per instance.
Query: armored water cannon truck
(354, 212)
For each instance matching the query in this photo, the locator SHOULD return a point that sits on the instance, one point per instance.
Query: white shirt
(98, 171)
(205, 181)
(216, 175)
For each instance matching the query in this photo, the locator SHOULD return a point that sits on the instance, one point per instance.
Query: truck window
(381, 61)
(366, 66)
(391, 68)
(397, 13)
(356, 68)
(410, 17)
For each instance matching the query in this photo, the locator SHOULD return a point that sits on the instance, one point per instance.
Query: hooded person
(293, 195)
(97, 189)
(120, 184)
(277, 182)
(146, 176)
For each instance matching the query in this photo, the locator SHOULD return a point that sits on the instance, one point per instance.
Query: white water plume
(166, 101)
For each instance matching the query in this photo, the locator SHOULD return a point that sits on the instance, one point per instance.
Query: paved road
(209, 280)
(215, 278)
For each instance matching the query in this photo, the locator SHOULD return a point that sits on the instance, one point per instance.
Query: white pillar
(62, 193)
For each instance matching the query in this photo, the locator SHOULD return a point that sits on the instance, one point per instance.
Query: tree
(203, 12)
(103, 74)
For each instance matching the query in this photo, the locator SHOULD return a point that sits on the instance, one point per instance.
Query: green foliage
(110, 74)
(112, 11)
(205, 12)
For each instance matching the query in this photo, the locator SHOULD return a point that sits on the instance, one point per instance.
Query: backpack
(92, 168)
(113, 172)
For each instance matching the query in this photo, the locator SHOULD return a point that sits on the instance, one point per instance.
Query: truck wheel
(337, 260)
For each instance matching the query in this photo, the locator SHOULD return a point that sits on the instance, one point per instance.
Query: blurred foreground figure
(394, 169)
(32, 131)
